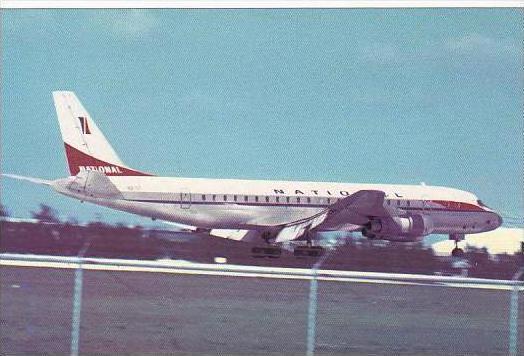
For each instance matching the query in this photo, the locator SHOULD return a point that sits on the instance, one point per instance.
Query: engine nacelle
(399, 228)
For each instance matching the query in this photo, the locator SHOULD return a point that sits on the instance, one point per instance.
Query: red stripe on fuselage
(78, 161)
(453, 205)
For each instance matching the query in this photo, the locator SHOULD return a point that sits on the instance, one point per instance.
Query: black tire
(267, 251)
(457, 252)
(304, 251)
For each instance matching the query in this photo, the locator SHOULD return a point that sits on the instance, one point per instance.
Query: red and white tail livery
(86, 146)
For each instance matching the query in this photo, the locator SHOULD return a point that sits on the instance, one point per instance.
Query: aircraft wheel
(306, 251)
(368, 234)
(266, 251)
(457, 252)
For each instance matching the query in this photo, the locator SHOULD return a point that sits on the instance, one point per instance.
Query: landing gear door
(185, 199)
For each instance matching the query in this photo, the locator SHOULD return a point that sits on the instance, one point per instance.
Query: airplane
(269, 212)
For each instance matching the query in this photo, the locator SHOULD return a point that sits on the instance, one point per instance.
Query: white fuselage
(252, 204)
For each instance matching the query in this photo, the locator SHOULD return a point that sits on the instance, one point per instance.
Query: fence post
(312, 308)
(312, 312)
(77, 308)
(514, 314)
(77, 300)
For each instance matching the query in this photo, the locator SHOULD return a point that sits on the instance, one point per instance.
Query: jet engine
(399, 228)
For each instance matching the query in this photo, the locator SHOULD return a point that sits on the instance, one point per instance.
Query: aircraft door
(425, 204)
(185, 199)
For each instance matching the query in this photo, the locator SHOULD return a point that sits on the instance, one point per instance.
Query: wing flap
(237, 235)
(293, 232)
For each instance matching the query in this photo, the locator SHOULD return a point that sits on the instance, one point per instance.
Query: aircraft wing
(356, 210)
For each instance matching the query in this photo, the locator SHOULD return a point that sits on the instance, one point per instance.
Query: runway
(184, 308)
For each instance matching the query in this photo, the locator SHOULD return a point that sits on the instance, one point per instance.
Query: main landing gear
(272, 251)
(309, 250)
(268, 250)
(457, 251)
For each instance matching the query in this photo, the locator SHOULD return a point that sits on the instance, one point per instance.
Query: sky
(349, 95)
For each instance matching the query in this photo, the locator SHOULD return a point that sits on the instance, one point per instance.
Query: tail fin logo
(84, 126)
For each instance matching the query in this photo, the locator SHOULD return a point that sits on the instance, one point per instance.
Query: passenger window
(245, 198)
(225, 197)
(214, 197)
(308, 200)
(398, 202)
(203, 197)
(287, 199)
(298, 199)
(234, 197)
(256, 198)
(267, 199)
(329, 200)
(409, 203)
(277, 199)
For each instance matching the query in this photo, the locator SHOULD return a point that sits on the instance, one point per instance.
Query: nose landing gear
(457, 251)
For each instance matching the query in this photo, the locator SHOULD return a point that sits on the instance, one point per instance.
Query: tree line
(51, 236)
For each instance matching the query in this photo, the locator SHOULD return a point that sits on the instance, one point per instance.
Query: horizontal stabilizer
(29, 179)
(94, 184)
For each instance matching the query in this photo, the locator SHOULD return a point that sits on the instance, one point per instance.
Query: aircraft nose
(499, 220)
